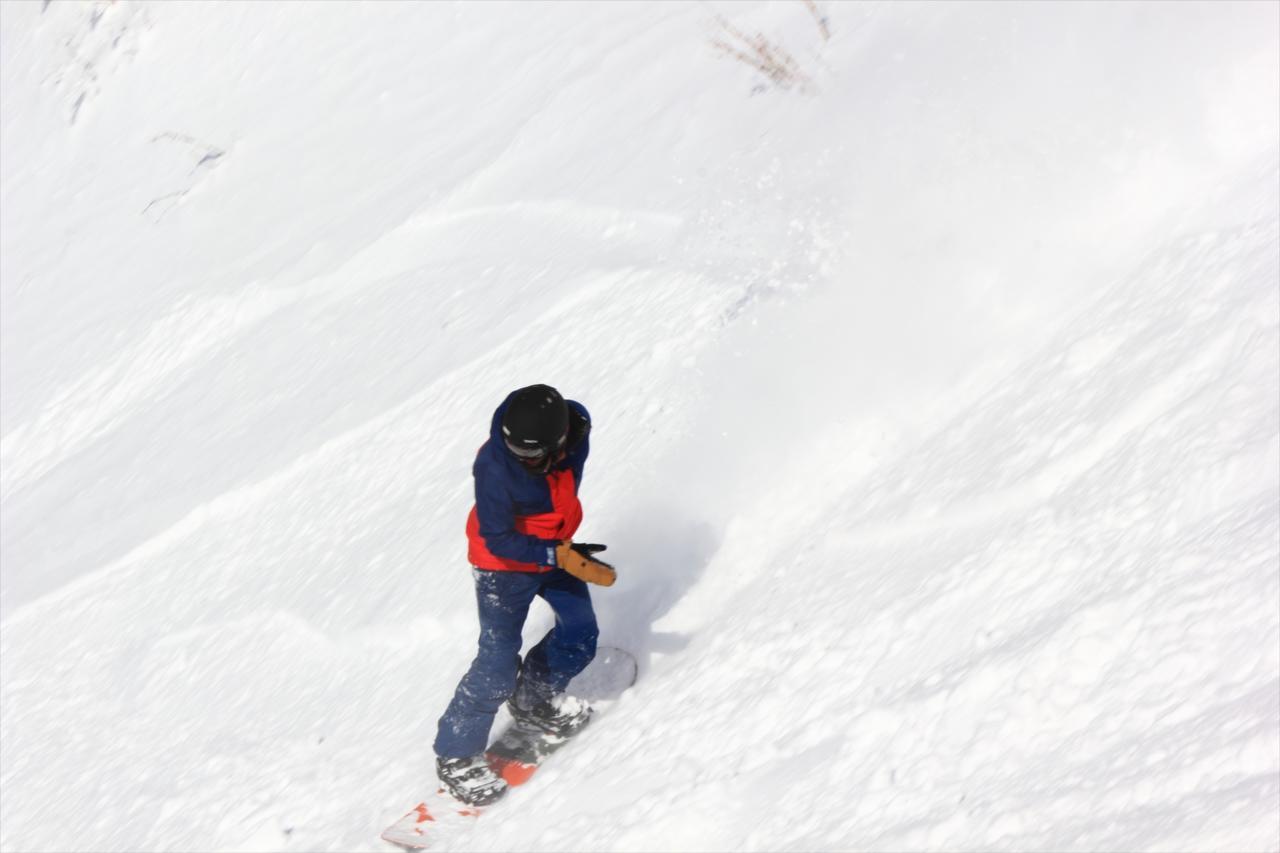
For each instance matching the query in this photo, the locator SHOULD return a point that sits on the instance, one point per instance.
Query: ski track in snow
(937, 418)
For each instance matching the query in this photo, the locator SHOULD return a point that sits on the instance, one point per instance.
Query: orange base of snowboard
(513, 772)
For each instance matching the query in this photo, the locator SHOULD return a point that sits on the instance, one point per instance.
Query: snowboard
(517, 753)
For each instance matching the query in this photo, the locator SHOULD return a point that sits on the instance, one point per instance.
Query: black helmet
(535, 423)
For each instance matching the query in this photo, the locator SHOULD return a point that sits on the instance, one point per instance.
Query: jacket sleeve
(496, 513)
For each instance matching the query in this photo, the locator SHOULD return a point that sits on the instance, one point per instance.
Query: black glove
(589, 551)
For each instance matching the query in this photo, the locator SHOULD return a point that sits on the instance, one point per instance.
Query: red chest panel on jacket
(561, 523)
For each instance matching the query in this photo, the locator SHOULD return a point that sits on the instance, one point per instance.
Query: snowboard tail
(427, 819)
(515, 756)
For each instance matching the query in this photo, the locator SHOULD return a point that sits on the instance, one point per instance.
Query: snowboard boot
(471, 780)
(561, 716)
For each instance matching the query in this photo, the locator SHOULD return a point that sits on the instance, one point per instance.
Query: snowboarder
(520, 546)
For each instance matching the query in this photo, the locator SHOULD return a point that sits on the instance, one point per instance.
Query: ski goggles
(532, 453)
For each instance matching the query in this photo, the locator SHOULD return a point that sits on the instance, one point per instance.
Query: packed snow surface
(935, 379)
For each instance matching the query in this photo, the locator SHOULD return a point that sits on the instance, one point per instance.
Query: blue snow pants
(496, 674)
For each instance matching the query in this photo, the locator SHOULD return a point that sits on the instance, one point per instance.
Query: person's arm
(496, 512)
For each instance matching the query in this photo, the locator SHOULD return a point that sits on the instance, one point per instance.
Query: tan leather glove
(583, 567)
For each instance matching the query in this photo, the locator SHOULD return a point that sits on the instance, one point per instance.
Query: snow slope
(937, 410)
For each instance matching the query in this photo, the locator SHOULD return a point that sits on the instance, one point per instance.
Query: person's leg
(504, 599)
(567, 648)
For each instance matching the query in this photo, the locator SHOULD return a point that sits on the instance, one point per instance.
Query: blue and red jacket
(520, 516)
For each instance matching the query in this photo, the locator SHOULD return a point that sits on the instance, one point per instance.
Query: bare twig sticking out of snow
(768, 57)
(824, 25)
